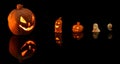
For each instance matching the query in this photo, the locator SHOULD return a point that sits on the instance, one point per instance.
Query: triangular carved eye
(22, 20)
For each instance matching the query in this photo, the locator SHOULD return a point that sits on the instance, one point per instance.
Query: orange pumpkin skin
(16, 47)
(14, 20)
(77, 27)
(58, 25)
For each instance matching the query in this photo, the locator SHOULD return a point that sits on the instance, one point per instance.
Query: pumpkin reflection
(58, 25)
(95, 35)
(110, 36)
(58, 38)
(21, 49)
(77, 27)
(78, 35)
(21, 21)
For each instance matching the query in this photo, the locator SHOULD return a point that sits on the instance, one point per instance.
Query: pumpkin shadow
(21, 47)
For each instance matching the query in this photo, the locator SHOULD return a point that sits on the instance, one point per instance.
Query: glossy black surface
(86, 49)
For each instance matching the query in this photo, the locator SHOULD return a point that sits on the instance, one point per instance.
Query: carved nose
(28, 24)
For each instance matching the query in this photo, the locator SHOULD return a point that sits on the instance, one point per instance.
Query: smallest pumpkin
(77, 28)
(109, 26)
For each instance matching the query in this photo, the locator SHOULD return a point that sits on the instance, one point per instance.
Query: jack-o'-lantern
(95, 35)
(95, 28)
(58, 38)
(21, 48)
(109, 26)
(77, 27)
(21, 21)
(58, 25)
(78, 35)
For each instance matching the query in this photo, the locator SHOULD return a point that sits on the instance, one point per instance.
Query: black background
(77, 51)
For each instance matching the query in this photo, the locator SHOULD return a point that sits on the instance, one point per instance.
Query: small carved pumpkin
(58, 38)
(77, 27)
(21, 21)
(58, 25)
(78, 35)
(20, 48)
(109, 26)
(95, 28)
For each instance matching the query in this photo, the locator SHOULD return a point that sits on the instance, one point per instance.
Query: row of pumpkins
(21, 21)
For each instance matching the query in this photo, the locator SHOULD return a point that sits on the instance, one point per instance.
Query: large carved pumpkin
(78, 35)
(21, 48)
(21, 21)
(77, 27)
(58, 25)
(58, 38)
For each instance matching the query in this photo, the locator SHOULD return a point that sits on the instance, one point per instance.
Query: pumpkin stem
(19, 6)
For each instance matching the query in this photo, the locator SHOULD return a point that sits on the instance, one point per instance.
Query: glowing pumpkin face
(95, 28)
(58, 25)
(20, 48)
(21, 21)
(109, 26)
(77, 27)
(58, 38)
(78, 35)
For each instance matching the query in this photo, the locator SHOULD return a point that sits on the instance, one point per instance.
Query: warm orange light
(78, 35)
(21, 21)
(58, 25)
(77, 27)
(21, 49)
(29, 42)
(58, 38)
(24, 52)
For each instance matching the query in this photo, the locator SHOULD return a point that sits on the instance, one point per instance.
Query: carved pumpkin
(58, 38)
(109, 26)
(95, 35)
(77, 28)
(78, 35)
(95, 28)
(20, 48)
(21, 21)
(58, 25)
